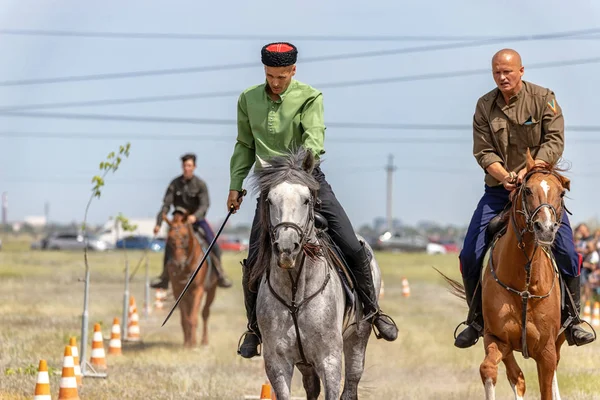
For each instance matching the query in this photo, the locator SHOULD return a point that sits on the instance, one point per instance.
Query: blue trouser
(209, 235)
(476, 241)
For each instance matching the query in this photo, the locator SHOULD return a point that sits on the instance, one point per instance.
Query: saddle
(336, 258)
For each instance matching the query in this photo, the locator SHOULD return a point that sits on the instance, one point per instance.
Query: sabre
(231, 209)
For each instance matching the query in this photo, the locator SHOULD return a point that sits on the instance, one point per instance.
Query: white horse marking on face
(545, 187)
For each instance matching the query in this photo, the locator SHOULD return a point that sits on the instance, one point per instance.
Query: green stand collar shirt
(268, 128)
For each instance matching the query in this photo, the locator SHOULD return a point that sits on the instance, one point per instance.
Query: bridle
(529, 217)
(182, 243)
(305, 234)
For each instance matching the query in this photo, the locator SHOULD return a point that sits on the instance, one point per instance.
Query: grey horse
(305, 317)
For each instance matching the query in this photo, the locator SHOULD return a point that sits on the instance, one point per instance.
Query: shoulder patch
(552, 105)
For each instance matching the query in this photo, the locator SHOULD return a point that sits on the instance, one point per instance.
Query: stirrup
(474, 325)
(571, 340)
(249, 332)
(380, 314)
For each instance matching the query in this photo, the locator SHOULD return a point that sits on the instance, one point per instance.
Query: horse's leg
(330, 371)
(311, 382)
(354, 353)
(515, 376)
(185, 325)
(279, 371)
(555, 391)
(194, 310)
(210, 297)
(546, 367)
(488, 369)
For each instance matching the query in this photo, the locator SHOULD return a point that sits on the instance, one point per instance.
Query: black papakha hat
(279, 54)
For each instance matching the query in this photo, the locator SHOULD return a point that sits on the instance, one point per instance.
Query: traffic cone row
(72, 377)
(405, 288)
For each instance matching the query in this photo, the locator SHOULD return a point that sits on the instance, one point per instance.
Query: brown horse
(185, 253)
(520, 283)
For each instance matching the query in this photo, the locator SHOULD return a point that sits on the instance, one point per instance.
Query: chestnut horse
(521, 294)
(185, 253)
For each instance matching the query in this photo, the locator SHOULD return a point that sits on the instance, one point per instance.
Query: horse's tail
(456, 288)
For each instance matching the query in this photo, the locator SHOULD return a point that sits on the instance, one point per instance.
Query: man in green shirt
(273, 117)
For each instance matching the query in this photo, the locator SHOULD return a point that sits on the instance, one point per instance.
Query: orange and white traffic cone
(114, 346)
(75, 352)
(68, 381)
(159, 299)
(98, 358)
(265, 392)
(587, 312)
(596, 316)
(405, 288)
(42, 386)
(133, 327)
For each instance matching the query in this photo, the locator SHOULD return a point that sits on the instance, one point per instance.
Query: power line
(215, 138)
(213, 36)
(331, 85)
(335, 57)
(214, 121)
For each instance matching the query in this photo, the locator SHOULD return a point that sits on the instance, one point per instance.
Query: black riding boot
(574, 333)
(249, 348)
(470, 335)
(386, 327)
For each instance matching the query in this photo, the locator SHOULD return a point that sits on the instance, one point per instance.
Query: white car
(435, 248)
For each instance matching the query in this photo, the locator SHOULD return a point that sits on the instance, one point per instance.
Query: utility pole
(389, 168)
(47, 212)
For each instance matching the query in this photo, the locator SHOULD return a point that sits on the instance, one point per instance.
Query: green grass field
(41, 300)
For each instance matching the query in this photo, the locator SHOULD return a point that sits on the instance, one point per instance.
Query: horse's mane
(290, 167)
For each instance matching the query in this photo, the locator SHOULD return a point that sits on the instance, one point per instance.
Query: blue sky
(439, 182)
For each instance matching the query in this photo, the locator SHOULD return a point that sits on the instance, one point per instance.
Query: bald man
(516, 115)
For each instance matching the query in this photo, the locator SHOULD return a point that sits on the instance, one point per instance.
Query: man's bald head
(507, 69)
(507, 55)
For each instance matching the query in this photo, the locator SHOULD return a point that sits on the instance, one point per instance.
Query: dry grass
(41, 301)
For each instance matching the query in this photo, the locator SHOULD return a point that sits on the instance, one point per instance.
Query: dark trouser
(341, 232)
(476, 240)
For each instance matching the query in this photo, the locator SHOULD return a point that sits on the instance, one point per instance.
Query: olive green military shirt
(268, 128)
(191, 195)
(503, 132)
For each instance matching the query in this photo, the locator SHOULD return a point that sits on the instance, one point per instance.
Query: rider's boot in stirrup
(574, 333)
(249, 348)
(384, 324)
(470, 335)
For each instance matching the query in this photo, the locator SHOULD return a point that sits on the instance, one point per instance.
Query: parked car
(141, 242)
(232, 243)
(401, 242)
(70, 241)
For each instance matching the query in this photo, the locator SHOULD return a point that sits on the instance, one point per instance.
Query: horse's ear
(309, 162)
(530, 161)
(566, 182)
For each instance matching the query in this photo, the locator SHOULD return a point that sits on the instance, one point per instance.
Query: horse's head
(541, 197)
(180, 238)
(288, 194)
